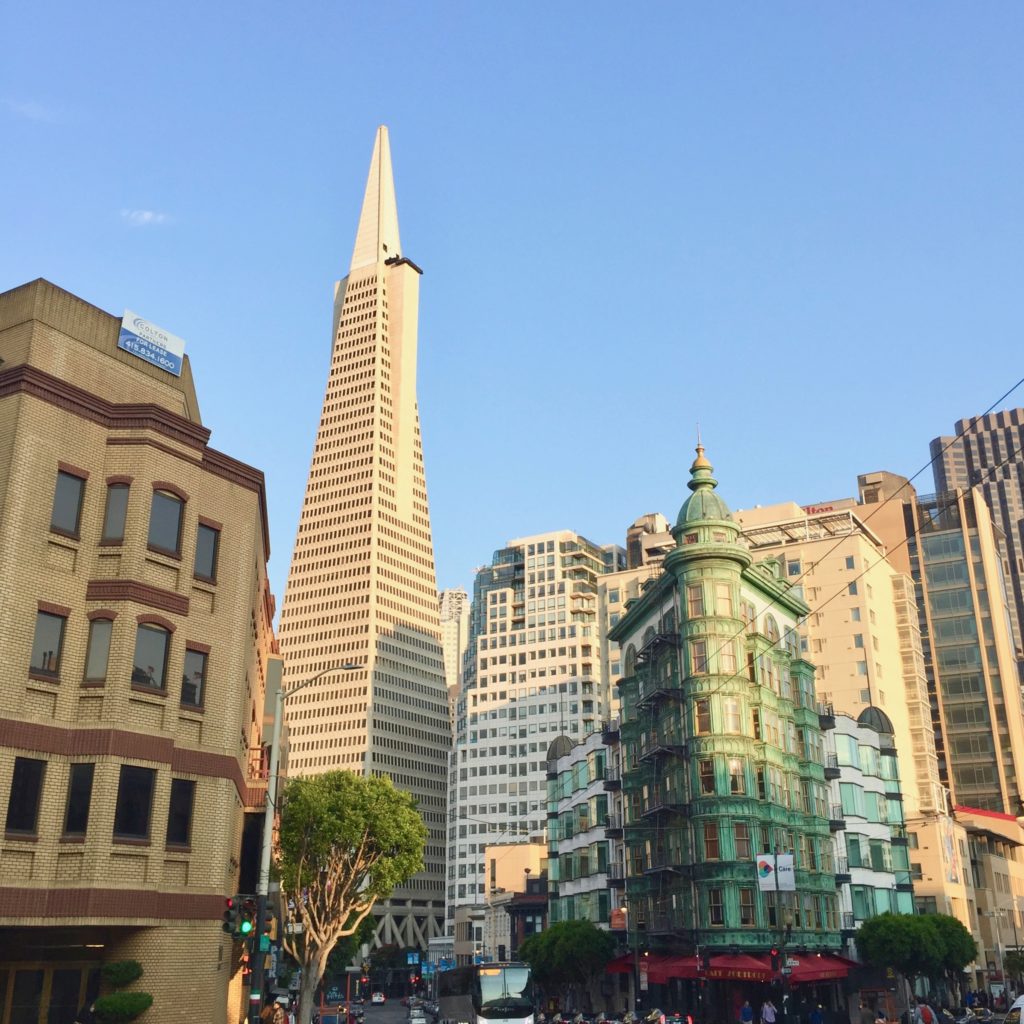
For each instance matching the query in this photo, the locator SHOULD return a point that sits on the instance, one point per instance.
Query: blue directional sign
(412, 959)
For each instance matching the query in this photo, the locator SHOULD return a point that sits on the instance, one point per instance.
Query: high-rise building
(136, 635)
(722, 752)
(534, 672)
(988, 452)
(950, 546)
(361, 588)
(454, 612)
(862, 632)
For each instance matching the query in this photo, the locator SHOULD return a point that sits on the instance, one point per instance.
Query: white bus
(500, 993)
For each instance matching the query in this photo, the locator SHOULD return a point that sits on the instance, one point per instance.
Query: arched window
(630, 660)
(749, 616)
(771, 628)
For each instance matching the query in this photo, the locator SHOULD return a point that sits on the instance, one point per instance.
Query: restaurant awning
(740, 967)
(819, 967)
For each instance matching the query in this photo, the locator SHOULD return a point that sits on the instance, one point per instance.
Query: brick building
(135, 627)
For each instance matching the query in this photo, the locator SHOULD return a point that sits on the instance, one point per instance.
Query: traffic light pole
(263, 885)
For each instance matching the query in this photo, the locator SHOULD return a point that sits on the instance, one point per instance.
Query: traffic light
(270, 928)
(232, 915)
(775, 959)
(246, 966)
(247, 917)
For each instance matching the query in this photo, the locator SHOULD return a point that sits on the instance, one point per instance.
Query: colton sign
(152, 343)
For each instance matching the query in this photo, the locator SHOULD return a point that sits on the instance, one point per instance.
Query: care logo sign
(152, 343)
(775, 872)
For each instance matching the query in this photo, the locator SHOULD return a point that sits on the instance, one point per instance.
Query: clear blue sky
(800, 223)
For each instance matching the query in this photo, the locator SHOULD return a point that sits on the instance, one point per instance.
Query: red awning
(620, 965)
(741, 967)
(826, 967)
(682, 967)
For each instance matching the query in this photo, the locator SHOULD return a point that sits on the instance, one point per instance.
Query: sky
(798, 224)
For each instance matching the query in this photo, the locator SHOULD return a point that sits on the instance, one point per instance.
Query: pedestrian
(746, 1012)
(867, 1015)
(923, 1013)
(817, 1015)
(768, 1012)
(880, 1017)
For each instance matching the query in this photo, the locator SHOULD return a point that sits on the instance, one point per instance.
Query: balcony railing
(847, 922)
(832, 766)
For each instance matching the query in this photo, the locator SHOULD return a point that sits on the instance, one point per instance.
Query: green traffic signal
(246, 927)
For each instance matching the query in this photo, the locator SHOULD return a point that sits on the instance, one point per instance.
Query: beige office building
(135, 627)
(361, 589)
(862, 631)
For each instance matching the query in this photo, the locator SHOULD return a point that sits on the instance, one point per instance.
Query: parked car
(378, 999)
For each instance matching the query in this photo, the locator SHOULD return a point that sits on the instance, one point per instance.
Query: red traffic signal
(230, 915)
(774, 959)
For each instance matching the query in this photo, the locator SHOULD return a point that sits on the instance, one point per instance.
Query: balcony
(653, 746)
(612, 778)
(651, 648)
(613, 826)
(898, 835)
(836, 818)
(842, 871)
(826, 715)
(616, 876)
(663, 923)
(847, 925)
(663, 863)
(610, 732)
(664, 802)
(832, 766)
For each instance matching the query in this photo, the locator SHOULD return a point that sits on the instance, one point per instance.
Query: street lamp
(263, 885)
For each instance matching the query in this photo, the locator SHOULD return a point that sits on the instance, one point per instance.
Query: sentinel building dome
(704, 504)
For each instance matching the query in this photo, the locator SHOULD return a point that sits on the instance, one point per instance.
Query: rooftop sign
(152, 343)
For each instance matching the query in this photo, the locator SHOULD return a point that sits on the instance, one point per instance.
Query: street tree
(928, 946)
(567, 956)
(1013, 964)
(345, 842)
(906, 942)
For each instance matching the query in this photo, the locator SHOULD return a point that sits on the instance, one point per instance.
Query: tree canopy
(345, 842)
(927, 945)
(567, 954)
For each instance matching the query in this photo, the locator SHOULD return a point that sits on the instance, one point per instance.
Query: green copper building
(722, 753)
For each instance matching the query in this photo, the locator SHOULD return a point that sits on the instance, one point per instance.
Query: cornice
(139, 593)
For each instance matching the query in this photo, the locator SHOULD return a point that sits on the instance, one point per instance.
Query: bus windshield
(504, 991)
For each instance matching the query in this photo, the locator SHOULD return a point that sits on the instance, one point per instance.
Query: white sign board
(151, 343)
(775, 872)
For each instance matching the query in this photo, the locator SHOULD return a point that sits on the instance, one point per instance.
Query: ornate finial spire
(701, 469)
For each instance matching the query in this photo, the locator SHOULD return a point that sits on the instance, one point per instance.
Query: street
(392, 1012)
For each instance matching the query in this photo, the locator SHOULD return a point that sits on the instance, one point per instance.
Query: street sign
(792, 962)
(333, 994)
(643, 979)
(412, 959)
(786, 970)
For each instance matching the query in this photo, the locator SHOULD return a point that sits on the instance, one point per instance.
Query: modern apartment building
(581, 860)
(987, 452)
(136, 630)
(361, 588)
(872, 865)
(534, 673)
(722, 749)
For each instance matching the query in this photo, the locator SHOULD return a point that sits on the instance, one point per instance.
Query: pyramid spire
(377, 238)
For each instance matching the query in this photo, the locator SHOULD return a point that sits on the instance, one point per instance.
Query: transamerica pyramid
(361, 588)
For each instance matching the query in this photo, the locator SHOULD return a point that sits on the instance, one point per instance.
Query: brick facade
(71, 402)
